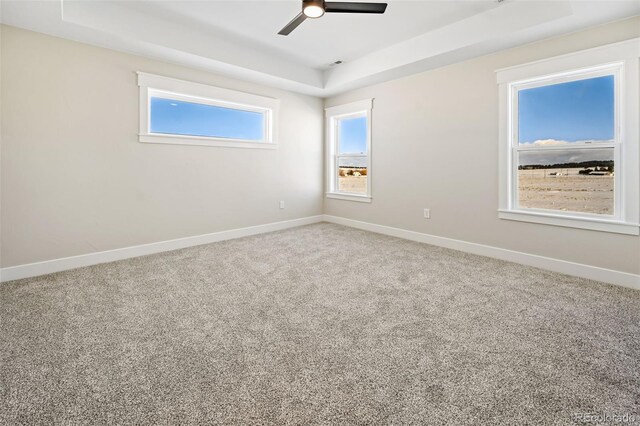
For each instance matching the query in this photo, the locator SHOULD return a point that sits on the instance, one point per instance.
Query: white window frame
(618, 59)
(170, 88)
(333, 116)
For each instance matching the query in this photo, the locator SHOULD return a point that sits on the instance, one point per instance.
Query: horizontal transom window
(181, 112)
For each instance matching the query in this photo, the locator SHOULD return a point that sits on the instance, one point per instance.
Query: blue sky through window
(574, 111)
(353, 135)
(186, 118)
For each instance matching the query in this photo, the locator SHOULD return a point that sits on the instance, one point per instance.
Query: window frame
(620, 60)
(333, 115)
(151, 85)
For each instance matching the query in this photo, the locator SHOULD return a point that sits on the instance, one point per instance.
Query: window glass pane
(575, 180)
(352, 175)
(352, 135)
(559, 114)
(187, 118)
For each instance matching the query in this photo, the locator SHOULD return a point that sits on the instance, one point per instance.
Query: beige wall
(75, 180)
(435, 145)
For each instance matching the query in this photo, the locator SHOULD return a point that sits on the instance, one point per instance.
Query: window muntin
(558, 121)
(348, 147)
(181, 112)
(178, 117)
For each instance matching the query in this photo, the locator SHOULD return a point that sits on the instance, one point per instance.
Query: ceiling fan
(317, 8)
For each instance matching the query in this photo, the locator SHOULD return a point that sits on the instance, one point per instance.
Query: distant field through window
(567, 181)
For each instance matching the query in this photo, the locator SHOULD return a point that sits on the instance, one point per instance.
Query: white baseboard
(570, 268)
(57, 265)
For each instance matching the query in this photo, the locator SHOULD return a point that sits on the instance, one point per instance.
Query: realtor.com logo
(627, 418)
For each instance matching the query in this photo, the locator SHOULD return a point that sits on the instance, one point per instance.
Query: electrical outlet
(427, 214)
(281, 204)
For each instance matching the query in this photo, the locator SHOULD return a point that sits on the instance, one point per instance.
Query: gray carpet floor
(317, 324)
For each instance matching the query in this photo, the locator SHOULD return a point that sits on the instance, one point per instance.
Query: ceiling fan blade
(353, 7)
(293, 24)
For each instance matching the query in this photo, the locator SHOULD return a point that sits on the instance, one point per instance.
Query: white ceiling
(239, 37)
(317, 42)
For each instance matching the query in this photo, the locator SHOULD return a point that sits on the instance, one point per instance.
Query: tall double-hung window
(569, 140)
(348, 133)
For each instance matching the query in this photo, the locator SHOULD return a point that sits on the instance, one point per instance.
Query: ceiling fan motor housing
(313, 8)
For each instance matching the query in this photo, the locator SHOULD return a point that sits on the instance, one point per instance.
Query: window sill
(204, 141)
(349, 197)
(594, 224)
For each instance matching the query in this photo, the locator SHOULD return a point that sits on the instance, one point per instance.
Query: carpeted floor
(318, 324)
